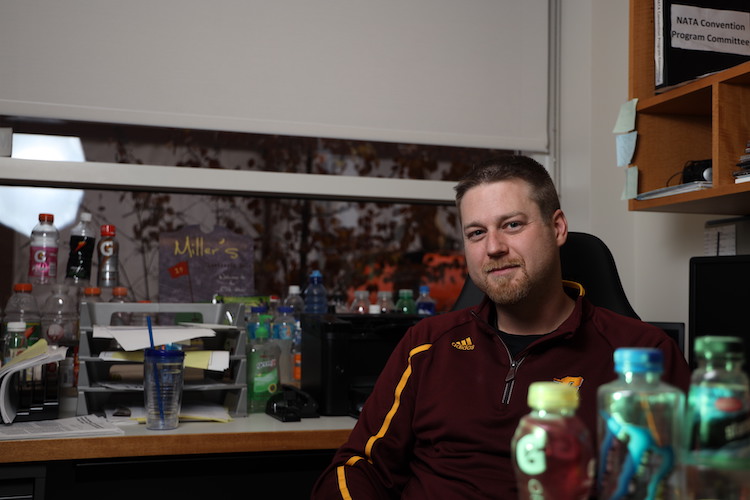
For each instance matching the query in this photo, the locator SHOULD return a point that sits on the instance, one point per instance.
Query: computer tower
(343, 354)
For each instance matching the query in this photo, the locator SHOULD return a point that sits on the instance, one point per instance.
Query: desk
(255, 433)
(198, 459)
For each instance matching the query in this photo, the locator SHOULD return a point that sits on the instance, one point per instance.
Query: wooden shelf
(708, 118)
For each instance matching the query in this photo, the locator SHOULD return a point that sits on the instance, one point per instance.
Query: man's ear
(560, 225)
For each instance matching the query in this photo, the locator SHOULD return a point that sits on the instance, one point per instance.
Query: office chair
(586, 260)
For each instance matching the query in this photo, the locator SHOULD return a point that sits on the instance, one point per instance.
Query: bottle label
(80, 257)
(720, 426)
(530, 454)
(43, 262)
(266, 376)
(283, 330)
(107, 250)
(426, 308)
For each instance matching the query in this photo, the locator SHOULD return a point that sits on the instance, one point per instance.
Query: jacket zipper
(510, 380)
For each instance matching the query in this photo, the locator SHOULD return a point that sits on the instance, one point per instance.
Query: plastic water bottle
(22, 306)
(108, 250)
(316, 296)
(120, 296)
(295, 301)
(717, 428)
(385, 301)
(552, 452)
(60, 326)
(15, 341)
(81, 254)
(361, 302)
(405, 303)
(425, 304)
(284, 331)
(258, 320)
(43, 250)
(639, 430)
(262, 370)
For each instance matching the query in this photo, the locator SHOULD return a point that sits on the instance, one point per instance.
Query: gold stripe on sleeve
(396, 401)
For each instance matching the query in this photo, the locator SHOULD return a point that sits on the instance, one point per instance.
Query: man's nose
(496, 244)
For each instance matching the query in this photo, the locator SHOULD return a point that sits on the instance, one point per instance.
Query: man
(440, 419)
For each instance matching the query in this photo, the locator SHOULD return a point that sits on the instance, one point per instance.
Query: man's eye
(514, 225)
(474, 234)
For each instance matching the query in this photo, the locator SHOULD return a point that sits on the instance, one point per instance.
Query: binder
(697, 38)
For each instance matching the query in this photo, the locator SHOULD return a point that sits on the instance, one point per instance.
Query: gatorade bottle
(108, 250)
(552, 452)
(82, 243)
(43, 251)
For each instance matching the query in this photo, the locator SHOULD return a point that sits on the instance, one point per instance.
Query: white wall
(652, 250)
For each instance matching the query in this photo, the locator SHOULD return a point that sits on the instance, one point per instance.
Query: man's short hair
(510, 167)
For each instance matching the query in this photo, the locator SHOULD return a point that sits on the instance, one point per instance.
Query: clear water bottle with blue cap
(316, 296)
(425, 303)
(639, 429)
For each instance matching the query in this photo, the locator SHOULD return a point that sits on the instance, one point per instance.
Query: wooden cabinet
(706, 118)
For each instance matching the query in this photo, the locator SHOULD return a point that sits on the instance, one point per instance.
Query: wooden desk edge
(39, 450)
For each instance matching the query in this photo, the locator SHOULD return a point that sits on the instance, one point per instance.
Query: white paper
(711, 30)
(132, 338)
(38, 354)
(89, 425)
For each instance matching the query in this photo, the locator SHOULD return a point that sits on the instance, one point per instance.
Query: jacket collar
(486, 309)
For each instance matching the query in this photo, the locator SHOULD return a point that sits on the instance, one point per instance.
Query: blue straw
(150, 331)
(156, 370)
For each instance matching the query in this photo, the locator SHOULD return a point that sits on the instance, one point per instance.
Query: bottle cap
(711, 346)
(46, 218)
(22, 287)
(120, 291)
(362, 294)
(85, 217)
(92, 290)
(405, 292)
(316, 274)
(293, 289)
(552, 396)
(385, 294)
(638, 360)
(424, 289)
(108, 230)
(17, 326)
(374, 309)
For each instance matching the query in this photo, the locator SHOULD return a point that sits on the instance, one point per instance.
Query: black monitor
(719, 288)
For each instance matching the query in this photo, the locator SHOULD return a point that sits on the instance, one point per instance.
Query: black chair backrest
(586, 260)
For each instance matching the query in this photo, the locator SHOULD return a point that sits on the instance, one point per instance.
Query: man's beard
(507, 290)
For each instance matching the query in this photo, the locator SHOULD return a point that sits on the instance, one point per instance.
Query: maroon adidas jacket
(439, 422)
